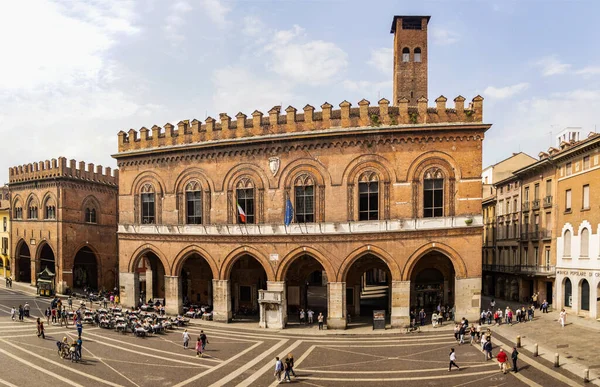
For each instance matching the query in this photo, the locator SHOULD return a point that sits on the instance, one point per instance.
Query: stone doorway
(247, 277)
(85, 269)
(196, 281)
(432, 284)
(23, 272)
(306, 288)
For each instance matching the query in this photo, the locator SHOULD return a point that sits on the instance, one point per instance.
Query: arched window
(567, 243)
(245, 200)
(32, 210)
(368, 196)
(148, 204)
(568, 292)
(433, 193)
(90, 215)
(193, 202)
(49, 208)
(405, 54)
(304, 196)
(417, 54)
(585, 243)
(18, 210)
(585, 295)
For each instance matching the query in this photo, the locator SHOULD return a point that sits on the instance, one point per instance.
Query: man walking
(186, 339)
(79, 328)
(310, 314)
(514, 356)
(204, 340)
(278, 369)
(502, 358)
(320, 320)
(422, 316)
(452, 360)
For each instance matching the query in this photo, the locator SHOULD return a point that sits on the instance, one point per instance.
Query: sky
(75, 73)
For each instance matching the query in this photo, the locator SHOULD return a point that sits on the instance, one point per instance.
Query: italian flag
(242, 213)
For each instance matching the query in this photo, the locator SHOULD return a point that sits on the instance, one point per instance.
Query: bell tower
(410, 58)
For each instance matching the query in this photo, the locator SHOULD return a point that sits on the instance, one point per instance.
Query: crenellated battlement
(59, 168)
(290, 121)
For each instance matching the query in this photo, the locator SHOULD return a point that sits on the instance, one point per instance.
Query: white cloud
(505, 92)
(550, 65)
(383, 60)
(175, 21)
(443, 36)
(589, 70)
(253, 26)
(217, 11)
(368, 89)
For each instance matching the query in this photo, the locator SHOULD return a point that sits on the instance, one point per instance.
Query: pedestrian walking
(12, 313)
(302, 316)
(422, 316)
(199, 350)
(452, 360)
(41, 328)
(320, 321)
(562, 318)
(79, 344)
(514, 356)
(461, 334)
(278, 369)
(310, 315)
(487, 349)
(204, 340)
(79, 328)
(186, 339)
(20, 312)
(290, 360)
(502, 358)
(286, 369)
(105, 302)
(26, 309)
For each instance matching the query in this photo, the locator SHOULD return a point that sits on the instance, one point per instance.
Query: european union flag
(289, 212)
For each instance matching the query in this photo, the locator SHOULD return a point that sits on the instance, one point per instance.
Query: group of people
(23, 312)
(486, 346)
(439, 314)
(306, 317)
(200, 342)
(285, 367)
(8, 282)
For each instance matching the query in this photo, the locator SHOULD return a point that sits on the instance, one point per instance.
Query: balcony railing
(546, 234)
(537, 269)
(548, 201)
(534, 235)
(525, 206)
(535, 204)
(524, 236)
(523, 269)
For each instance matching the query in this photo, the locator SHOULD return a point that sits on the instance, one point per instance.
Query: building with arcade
(64, 218)
(386, 205)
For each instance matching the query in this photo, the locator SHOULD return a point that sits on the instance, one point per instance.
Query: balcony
(546, 234)
(537, 269)
(501, 268)
(534, 235)
(548, 201)
(535, 204)
(524, 236)
(525, 206)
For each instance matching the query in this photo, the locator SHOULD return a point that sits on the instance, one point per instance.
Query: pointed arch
(291, 256)
(368, 250)
(234, 255)
(460, 268)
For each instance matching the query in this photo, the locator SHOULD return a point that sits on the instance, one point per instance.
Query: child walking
(199, 350)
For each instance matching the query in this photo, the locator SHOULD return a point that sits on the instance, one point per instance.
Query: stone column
(558, 301)
(129, 289)
(336, 305)
(279, 286)
(400, 304)
(149, 285)
(173, 298)
(467, 298)
(221, 300)
(33, 266)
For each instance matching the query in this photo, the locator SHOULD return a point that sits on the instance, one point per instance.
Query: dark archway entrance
(568, 293)
(196, 281)
(368, 288)
(432, 284)
(247, 278)
(306, 288)
(46, 259)
(23, 273)
(85, 269)
(151, 274)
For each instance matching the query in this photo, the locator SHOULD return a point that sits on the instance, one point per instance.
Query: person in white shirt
(562, 318)
(186, 339)
(310, 314)
(452, 360)
(12, 313)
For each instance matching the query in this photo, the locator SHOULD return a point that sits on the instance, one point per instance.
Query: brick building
(4, 231)
(64, 218)
(386, 200)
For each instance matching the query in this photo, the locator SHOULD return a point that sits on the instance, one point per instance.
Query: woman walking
(290, 359)
(186, 339)
(562, 318)
(199, 350)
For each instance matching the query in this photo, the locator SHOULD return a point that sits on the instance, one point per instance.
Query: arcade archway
(151, 275)
(85, 269)
(432, 284)
(23, 272)
(306, 287)
(46, 259)
(247, 277)
(196, 281)
(368, 288)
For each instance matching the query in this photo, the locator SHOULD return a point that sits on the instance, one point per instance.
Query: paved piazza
(245, 357)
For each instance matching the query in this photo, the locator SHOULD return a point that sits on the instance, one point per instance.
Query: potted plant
(469, 221)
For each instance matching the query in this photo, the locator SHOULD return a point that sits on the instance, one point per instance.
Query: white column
(467, 298)
(173, 298)
(400, 303)
(336, 305)
(280, 287)
(149, 286)
(558, 301)
(129, 289)
(221, 301)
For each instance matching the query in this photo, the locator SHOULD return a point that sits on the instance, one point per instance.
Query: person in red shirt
(502, 358)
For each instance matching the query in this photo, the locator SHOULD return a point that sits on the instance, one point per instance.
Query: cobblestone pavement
(239, 356)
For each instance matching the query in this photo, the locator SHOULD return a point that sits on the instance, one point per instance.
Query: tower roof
(393, 29)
